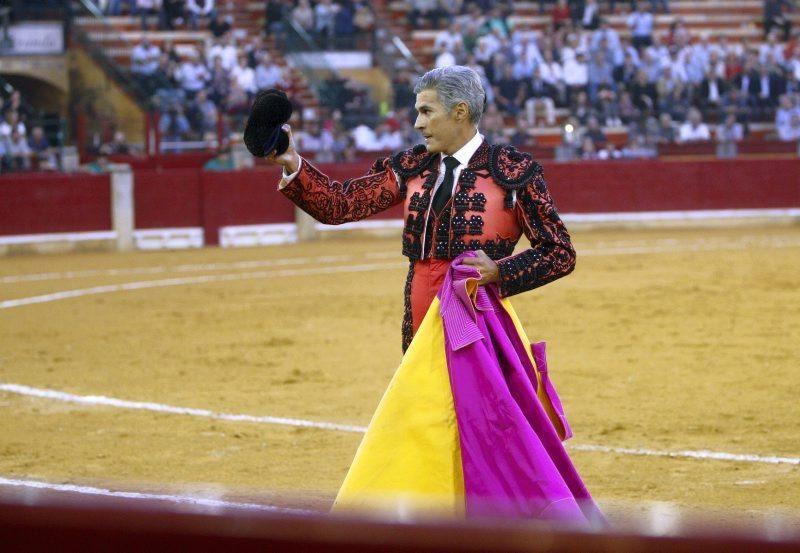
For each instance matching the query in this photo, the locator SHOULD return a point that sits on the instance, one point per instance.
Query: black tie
(445, 189)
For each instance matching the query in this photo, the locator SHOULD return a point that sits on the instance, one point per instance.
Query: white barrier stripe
(55, 296)
(161, 408)
(125, 404)
(690, 454)
(181, 499)
(617, 247)
(255, 264)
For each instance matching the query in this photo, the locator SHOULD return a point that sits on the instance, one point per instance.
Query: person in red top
(459, 193)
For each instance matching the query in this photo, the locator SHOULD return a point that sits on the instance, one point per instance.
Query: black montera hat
(263, 133)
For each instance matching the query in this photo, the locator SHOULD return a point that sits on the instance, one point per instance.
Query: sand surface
(664, 340)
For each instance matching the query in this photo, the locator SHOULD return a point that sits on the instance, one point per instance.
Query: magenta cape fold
(513, 460)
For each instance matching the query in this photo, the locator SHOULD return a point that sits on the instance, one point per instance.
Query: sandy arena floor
(666, 341)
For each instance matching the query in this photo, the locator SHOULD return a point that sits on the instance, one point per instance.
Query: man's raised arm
(333, 202)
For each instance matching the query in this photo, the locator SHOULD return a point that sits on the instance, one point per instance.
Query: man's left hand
(486, 267)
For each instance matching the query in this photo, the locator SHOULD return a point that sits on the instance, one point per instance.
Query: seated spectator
(606, 39)
(387, 138)
(303, 15)
(588, 149)
(202, 115)
(325, 21)
(171, 14)
(626, 71)
(42, 154)
(219, 27)
(192, 75)
(219, 82)
(497, 22)
(226, 50)
(426, 9)
(492, 125)
(222, 162)
(541, 96)
(711, 92)
(364, 18)
(609, 152)
(199, 9)
(638, 148)
(560, 14)
(590, 16)
(582, 109)
(244, 76)
(730, 130)
(628, 112)
(10, 124)
(238, 101)
(445, 58)
(447, 39)
(509, 93)
(784, 116)
(18, 151)
(693, 129)
(173, 125)
(776, 17)
(790, 132)
(144, 58)
(607, 108)
(147, 8)
(594, 132)
(643, 93)
(599, 74)
(521, 137)
(364, 138)
(666, 132)
(344, 28)
(118, 145)
(269, 74)
(641, 23)
(576, 75)
(275, 11)
(769, 86)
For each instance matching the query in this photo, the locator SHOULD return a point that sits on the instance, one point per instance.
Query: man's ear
(461, 111)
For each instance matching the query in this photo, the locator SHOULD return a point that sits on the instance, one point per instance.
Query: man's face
(437, 126)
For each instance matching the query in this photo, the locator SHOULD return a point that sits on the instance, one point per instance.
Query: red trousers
(428, 277)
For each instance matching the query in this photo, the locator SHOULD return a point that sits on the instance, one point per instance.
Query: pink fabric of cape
(514, 463)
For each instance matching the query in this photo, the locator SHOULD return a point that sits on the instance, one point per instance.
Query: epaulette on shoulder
(411, 162)
(511, 168)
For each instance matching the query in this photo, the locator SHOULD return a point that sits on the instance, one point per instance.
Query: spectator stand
(732, 25)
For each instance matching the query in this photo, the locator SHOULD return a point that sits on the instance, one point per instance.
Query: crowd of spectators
(662, 87)
(22, 147)
(642, 81)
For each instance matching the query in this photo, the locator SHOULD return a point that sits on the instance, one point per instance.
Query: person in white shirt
(786, 119)
(144, 58)
(269, 74)
(197, 9)
(771, 48)
(576, 75)
(192, 75)
(448, 38)
(641, 24)
(244, 76)
(444, 59)
(693, 129)
(12, 124)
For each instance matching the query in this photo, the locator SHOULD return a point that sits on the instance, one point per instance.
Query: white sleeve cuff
(287, 179)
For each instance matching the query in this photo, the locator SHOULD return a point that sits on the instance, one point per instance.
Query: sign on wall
(36, 37)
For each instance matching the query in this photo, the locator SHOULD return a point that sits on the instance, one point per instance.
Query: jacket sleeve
(333, 202)
(551, 255)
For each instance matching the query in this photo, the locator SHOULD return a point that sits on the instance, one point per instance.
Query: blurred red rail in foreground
(66, 523)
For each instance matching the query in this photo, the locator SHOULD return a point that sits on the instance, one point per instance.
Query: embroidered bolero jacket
(500, 195)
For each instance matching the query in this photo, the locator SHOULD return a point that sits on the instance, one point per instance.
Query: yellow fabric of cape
(410, 457)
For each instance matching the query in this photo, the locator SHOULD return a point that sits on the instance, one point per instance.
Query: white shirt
(463, 156)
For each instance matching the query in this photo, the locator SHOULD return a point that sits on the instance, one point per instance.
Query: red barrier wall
(42, 203)
(242, 198)
(165, 199)
(597, 187)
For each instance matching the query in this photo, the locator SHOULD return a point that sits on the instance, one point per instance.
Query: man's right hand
(290, 159)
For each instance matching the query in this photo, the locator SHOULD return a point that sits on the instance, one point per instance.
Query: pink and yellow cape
(470, 423)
